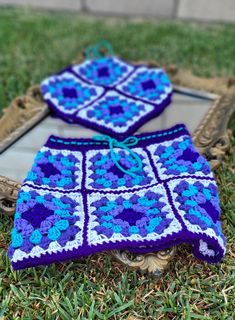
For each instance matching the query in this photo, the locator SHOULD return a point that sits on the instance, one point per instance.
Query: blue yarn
(64, 181)
(100, 171)
(66, 172)
(183, 145)
(146, 202)
(107, 225)
(104, 208)
(192, 190)
(155, 221)
(107, 184)
(207, 194)
(17, 239)
(117, 229)
(121, 182)
(25, 196)
(62, 213)
(51, 159)
(134, 230)
(137, 180)
(36, 237)
(46, 180)
(18, 215)
(112, 204)
(191, 203)
(62, 225)
(201, 217)
(107, 218)
(40, 199)
(197, 165)
(32, 176)
(54, 233)
(153, 211)
(60, 204)
(100, 181)
(127, 204)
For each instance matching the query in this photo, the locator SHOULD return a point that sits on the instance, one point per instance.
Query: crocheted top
(76, 201)
(108, 95)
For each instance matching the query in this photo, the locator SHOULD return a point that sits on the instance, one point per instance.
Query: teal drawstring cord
(125, 144)
(94, 52)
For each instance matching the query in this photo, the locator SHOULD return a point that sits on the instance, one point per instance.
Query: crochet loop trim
(166, 133)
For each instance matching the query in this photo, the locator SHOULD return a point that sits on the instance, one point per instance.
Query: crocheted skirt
(76, 200)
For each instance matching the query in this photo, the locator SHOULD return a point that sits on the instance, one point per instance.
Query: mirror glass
(188, 107)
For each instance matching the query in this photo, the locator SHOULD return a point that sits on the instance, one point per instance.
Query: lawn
(34, 44)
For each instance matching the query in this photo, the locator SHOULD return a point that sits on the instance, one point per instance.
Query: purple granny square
(145, 193)
(108, 95)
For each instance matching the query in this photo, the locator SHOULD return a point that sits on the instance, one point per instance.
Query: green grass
(34, 44)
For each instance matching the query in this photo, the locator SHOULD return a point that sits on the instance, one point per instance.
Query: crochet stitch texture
(108, 95)
(75, 201)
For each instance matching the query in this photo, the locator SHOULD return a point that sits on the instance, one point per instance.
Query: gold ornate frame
(22, 114)
(211, 138)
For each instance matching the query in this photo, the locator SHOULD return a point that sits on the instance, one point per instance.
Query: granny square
(46, 224)
(143, 216)
(57, 169)
(66, 94)
(108, 95)
(115, 112)
(102, 172)
(143, 194)
(179, 157)
(148, 85)
(107, 71)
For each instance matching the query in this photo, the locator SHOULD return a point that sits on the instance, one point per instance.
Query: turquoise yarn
(125, 144)
(62, 225)
(54, 233)
(36, 237)
(17, 239)
(94, 52)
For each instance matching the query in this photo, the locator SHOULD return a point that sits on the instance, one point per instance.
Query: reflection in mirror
(188, 107)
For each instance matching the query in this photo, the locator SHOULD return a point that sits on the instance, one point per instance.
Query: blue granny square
(108, 95)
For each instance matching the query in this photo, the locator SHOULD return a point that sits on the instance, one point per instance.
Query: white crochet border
(83, 113)
(78, 165)
(94, 238)
(163, 96)
(69, 76)
(54, 246)
(161, 169)
(146, 167)
(77, 70)
(192, 227)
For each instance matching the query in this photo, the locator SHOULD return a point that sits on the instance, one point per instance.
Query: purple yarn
(169, 202)
(108, 95)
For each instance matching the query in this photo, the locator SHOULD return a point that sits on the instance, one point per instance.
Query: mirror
(188, 106)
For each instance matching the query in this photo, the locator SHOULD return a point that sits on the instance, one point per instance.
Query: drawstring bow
(125, 144)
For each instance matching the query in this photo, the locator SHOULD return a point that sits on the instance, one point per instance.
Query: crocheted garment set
(108, 95)
(140, 193)
(145, 193)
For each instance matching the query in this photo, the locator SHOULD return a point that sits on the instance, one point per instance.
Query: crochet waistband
(144, 139)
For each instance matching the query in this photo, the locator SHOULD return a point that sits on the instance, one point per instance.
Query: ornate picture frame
(211, 137)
